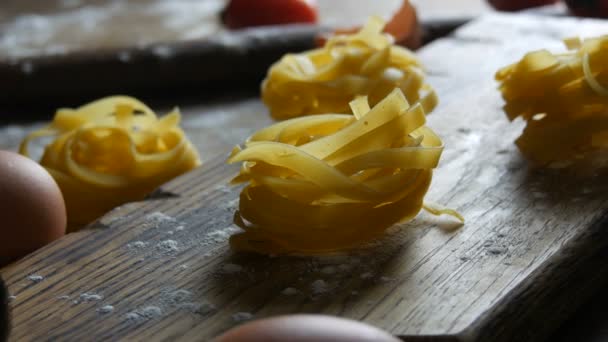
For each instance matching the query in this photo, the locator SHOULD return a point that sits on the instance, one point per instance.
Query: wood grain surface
(531, 251)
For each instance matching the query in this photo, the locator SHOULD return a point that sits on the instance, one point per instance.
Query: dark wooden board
(532, 249)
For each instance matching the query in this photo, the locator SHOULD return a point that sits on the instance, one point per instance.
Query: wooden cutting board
(533, 247)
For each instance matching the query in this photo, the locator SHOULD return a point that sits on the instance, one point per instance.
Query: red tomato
(589, 8)
(247, 13)
(516, 5)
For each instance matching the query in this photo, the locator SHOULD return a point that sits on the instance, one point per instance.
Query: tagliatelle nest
(564, 100)
(112, 151)
(328, 182)
(325, 80)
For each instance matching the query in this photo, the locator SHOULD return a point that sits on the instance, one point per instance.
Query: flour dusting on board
(157, 21)
(106, 309)
(90, 297)
(35, 278)
(171, 300)
(242, 316)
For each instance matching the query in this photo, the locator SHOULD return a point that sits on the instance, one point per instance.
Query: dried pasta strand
(564, 102)
(325, 80)
(343, 187)
(111, 151)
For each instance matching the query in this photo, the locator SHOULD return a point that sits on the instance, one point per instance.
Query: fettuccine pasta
(325, 80)
(111, 151)
(328, 182)
(564, 100)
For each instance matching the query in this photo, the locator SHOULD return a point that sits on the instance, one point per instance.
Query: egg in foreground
(32, 210)
(305, 328)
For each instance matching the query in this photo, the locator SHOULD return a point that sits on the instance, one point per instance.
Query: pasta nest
(564, 102)
(111, 151)
(329, 182)
(326, 79)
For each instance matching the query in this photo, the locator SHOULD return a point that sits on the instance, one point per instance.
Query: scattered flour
(35, 278)
(137, 244)
(197, 308)
(175, 20)
(63, 297)
(163, 51)
(319, 286)
(168, 246)
(106, 309)
(144, 314)
(184, 300)
(159, 218)
(242, 316)
(179, 296)
(221, 235)
(90, 297)
(183, 267)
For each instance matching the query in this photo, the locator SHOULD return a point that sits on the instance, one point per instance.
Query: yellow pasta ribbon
(111, 151)
(564, 100)
(326, 79)
(333, 181)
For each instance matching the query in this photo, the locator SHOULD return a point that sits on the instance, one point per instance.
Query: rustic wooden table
(243, 114)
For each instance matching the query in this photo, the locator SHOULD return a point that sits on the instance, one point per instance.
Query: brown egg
(32, 210)
(305, 328)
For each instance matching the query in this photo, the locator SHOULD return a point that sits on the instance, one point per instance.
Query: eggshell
(32, 210)
(305, 328)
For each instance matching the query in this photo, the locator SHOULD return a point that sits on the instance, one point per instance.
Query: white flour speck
(242, 316)
(290, 291)
(11, 298)
(232, 268)
(106, 309)
(197, 308)
(149, 312)
(35, 278)
(158, 217)
(179, 228)
(179, 296)
(90, 297)
(319, 286)
(63, 297)
(163, 51)
(137, 244)
(168, 246)
(221, 235)
(183, 267)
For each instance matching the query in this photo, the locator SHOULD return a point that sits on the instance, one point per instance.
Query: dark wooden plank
(529, 253)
